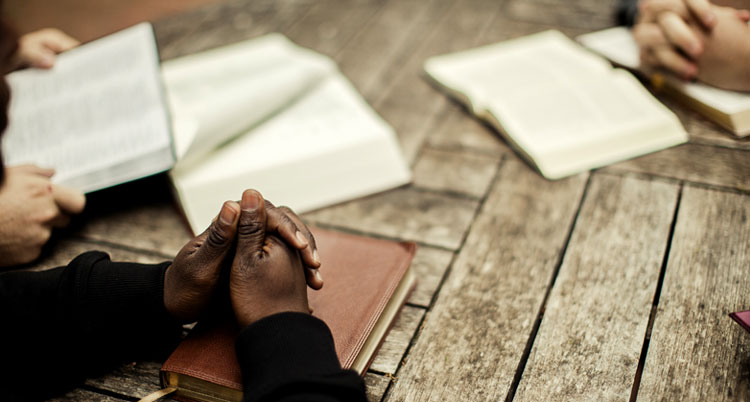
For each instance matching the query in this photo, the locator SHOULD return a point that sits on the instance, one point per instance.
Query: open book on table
(729, 109)
(564, 109)
(268, 114)
(262, 113)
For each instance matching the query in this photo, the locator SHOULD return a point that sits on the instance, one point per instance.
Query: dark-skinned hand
(267, 277)
(191, 281)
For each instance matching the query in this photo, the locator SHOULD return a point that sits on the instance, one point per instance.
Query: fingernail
(696, 50)
(317, 275)
(710, 19)
(316, 257)
(250, 200)
(227, 215)
(301, 238)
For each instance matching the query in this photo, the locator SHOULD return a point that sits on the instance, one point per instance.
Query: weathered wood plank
(591, 335)
(395, 344)
(409, 103)
(330, 25)
(474, 336)
(84, 395)
(405, 213)
(429, 266)
(224, 23)
(718, 166)
(136, 379)
(455, 171)
(696, 352)
(383, 42)
(587, 14)
(376, 385)
(461, 130)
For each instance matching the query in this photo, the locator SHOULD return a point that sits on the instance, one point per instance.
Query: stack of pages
(263, 114)
(566, 110)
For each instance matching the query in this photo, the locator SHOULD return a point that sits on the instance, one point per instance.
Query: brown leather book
(367, 282)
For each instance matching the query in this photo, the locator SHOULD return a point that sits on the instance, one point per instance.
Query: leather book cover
(365, 278)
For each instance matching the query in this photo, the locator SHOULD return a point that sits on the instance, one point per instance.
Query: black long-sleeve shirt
(62, 325)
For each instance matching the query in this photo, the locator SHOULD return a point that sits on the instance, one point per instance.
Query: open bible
(263, 114)
(563, 108)
(99, 117)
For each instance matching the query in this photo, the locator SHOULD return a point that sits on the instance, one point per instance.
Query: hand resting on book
(266, 276)
(192, 280)
(32, 206)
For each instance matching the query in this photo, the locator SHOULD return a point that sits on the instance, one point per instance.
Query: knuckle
(216, 236)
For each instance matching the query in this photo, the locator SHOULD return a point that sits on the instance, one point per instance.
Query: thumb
(220, 235)
(251, 232)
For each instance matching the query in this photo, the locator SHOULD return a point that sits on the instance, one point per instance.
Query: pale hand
(32, 206)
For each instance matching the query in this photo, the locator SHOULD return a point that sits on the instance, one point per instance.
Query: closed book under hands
(367, 282)
(563, 108)
(729, 109)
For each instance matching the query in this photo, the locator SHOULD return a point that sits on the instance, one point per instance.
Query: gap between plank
(540, 315)
(447, 272)
(655, 304)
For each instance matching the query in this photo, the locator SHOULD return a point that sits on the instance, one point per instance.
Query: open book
(270, 115)
(98, 117)
(729, 109)
(262, 113)
(566, 110)
(367, 283)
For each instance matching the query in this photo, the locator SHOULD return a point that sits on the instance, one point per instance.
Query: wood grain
(135, 379)
(376, 385)
(433, 219)
(712, 165)
(429, 266)
(475, 334)
(455, 171)
(85, 395)
(394, 347)
(696, 352)
(591, 335)
(409, 103)
(591, 15)
(383, 43)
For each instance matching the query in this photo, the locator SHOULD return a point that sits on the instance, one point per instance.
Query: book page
(555, 103)
(618, 45)
(100, 106)
(228, 90)
(327, 147)
(484, 72)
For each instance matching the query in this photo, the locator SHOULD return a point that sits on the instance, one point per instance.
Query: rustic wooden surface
(608, 285)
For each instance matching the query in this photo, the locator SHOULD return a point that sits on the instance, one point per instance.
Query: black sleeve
(627, 12)
(291, 357)
(64, 324)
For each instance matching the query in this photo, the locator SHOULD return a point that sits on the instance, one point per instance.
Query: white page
(618, 45)
(100, 107)
(221, 93)
(555, 99)
(326, 148)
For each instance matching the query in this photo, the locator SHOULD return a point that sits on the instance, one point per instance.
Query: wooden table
(608, 285)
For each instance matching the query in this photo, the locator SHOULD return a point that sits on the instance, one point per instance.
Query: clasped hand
(696, 39)
(270, 256)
